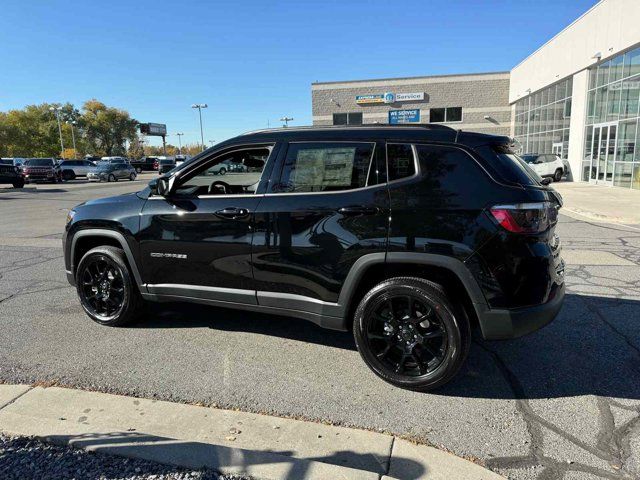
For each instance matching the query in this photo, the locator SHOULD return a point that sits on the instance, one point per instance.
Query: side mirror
(162, 187)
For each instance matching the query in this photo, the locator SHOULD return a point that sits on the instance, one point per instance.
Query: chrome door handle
(233, 213)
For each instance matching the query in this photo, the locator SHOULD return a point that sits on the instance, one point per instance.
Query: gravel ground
(26, 458)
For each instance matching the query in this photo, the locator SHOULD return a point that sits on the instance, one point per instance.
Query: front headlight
(70, 215)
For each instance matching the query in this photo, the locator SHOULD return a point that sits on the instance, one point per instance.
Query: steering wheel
(218, 187)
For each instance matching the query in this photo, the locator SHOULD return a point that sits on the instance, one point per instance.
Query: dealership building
(578, 96)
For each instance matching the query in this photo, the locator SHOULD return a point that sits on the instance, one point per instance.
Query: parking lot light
(200, 106)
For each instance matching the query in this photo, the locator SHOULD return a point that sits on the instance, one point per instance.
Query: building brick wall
(477, 94)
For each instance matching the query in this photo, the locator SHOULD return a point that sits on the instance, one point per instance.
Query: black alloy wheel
(105, 287)
(410, 334)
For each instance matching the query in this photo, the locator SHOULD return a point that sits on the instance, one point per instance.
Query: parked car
(41, 170)
(111, 171)
(165, 164)
(227, 166)
(76, 168)
(144, 164)
(546, 165)
(405, 235)
(10, 173)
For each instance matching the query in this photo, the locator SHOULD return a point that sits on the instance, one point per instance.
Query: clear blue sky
(252, 61)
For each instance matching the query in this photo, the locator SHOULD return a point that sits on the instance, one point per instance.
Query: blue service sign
(404, 116)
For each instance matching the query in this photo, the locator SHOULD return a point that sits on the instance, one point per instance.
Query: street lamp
(179, 135)
(56, 111)
(286, 121)
(73, 137)
(200, 106)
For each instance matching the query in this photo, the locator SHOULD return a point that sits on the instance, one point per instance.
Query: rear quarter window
(506, 166)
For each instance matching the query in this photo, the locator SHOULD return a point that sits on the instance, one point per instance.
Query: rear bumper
(500, 324)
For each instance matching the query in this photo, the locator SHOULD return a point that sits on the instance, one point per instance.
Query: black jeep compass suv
(408, 236)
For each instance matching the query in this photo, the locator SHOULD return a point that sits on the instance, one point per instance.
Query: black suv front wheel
(410, 334)
(106, 288)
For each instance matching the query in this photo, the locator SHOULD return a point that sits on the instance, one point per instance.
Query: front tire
(18, 184)
(132, 177)
(223, 171)
(410, 334)
(106, 288)
(112, 178)
(557, 176)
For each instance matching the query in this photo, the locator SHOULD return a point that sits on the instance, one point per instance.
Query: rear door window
(326, 167)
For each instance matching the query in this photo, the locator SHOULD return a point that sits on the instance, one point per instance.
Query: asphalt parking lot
(563, 402)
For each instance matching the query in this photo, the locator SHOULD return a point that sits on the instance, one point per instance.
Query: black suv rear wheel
(410, 334)
(106, 288)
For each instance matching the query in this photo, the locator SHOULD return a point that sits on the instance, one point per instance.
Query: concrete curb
(227, 441)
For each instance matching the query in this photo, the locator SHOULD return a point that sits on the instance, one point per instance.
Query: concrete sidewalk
(228, 442)
(600, 203)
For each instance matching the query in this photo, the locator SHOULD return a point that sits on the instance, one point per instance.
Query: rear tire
(69, 175)
(223, 171)
(107, 290)
(132, 177)
(138, 170)
(112, 178)
(557, 176)
(18, 184)
(410, 334)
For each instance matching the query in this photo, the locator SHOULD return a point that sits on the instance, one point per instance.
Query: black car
(42, 170)
(10, 173)
(144, 164)
(406, 235)
(165, 165)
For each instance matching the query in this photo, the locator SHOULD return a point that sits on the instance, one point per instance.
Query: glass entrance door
(603, 152)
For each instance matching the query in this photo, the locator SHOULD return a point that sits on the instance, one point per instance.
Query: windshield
(523, 164)
(104, 166)
(530, 158)
(166, 162)
(6, 162)
(39, 162)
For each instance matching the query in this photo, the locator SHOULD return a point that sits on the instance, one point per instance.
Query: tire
(445, 331)
(138, 170)
(18, 184)
(222, 171)
(69, 175)
(112, 178)
(132, 177)
(557, 176)
(131, 306)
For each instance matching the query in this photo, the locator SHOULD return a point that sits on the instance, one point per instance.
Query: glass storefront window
(611, 150)
(542, 119)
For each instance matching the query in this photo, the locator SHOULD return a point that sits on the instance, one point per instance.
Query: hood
(124, 198)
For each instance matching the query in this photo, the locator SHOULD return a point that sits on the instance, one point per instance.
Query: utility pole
(286, 121)
(200, 106)
(56, 111)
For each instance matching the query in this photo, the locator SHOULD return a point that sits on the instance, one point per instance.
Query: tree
(135, 149)
(106, 128)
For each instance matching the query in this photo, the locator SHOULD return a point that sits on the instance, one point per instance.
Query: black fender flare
(119, 237)
(457, 267)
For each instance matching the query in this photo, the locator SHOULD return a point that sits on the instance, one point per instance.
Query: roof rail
(427, 126)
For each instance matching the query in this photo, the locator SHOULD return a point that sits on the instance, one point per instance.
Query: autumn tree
(106, 128)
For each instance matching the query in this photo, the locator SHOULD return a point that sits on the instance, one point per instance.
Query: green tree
(106, 129)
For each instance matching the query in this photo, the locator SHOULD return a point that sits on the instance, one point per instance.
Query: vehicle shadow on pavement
(228, 460)
(591, 348)
(188, 315)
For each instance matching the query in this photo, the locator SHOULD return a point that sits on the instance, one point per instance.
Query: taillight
(525, 217)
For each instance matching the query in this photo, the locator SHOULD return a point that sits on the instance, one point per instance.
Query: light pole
(56, 111)
(200, 106)
(73, 137)
(286, 121)
(180, 142)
